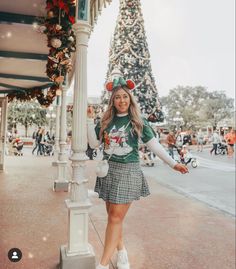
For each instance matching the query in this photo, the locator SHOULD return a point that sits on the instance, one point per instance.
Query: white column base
(78, 227)
(55, 162)
(60, 183)
(86, 261)
(61, 186)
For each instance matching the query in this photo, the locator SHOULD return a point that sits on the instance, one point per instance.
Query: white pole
(61, 183)
(79, 192)
(78, 251)
(56, 146)
(3, 129)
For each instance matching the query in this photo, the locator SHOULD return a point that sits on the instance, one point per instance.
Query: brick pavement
(164, 231)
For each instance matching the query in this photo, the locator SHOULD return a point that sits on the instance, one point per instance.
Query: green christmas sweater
(121, 142)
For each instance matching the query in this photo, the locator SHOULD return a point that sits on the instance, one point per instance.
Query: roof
(23, 49)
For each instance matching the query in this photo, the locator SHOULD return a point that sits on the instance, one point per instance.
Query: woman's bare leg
(120, 245)
(113, 235)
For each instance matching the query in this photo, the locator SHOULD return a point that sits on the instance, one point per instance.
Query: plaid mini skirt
(123, 184)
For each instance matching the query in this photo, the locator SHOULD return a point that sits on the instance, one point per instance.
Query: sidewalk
(164, 231)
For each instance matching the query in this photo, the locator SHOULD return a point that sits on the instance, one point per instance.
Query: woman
(230, 138)
(200, 140)
(40, 140)
(120, 130)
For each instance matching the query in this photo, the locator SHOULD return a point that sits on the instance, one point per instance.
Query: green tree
(195, 106)
(27, 114)
(186, 104)
(217, 107)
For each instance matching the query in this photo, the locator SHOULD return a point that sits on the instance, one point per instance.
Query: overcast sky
(191, 42)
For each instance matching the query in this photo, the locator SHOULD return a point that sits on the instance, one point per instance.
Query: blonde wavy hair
(134, 113)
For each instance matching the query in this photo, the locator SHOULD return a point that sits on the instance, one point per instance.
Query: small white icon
(14, 255)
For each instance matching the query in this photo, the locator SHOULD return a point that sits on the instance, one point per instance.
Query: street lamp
(50, 116)
(13, 126)
(178, 120)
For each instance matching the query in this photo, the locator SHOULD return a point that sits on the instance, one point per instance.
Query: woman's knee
(115, 217)
(117, 213)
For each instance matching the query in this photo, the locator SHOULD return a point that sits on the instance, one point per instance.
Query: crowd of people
(219, 141)
(222, 142)
(43, 142)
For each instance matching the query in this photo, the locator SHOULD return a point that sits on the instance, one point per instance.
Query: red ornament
(109, 86)
(72, 19)
(64, 6)
(49, 6)
(130, 84)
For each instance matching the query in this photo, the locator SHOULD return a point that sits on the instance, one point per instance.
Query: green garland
(61, 43)
(61, 38)
(35, 93)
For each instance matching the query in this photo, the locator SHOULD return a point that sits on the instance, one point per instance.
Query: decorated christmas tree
(129, 53)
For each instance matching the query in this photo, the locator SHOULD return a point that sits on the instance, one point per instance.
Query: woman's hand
(183, 169)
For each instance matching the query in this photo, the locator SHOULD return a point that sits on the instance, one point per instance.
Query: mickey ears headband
(120, 82)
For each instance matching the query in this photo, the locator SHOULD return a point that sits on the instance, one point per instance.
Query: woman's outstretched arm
(159, 150)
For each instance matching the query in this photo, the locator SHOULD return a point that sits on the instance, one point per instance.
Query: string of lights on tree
(129, 53)
(61, 42)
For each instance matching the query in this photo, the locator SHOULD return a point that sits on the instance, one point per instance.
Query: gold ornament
(58, 27)
(60, 55)
(55, 60)
(56, 43)
(71, 38)
(50, 14)
(59, 79)
(67, 61)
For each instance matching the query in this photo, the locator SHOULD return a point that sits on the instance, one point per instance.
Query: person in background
(35, 136)
(120, 130)
(184, 155)
(187, 138)
(230, 139)
(200, 139)
(47, 137)
(215, 139)
(15, 134)
(179, 140)
(170, 140)
(41, 142)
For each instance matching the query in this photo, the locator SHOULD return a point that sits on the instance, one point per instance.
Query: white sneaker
(102, 267)
(122, 259)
